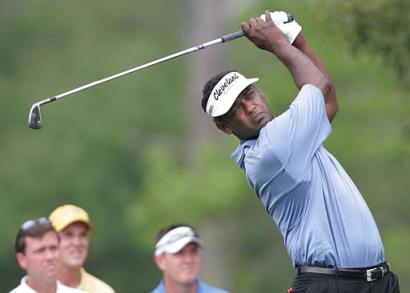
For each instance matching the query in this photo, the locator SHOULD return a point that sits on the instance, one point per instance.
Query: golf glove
(289, 27)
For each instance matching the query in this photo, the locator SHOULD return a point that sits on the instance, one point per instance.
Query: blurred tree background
(138, 153)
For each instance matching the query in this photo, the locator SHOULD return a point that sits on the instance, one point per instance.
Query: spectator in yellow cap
(73, 224)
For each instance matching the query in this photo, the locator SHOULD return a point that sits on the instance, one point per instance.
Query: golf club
(34, 117)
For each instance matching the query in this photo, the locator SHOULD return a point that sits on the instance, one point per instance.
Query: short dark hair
(209, 86)
(31, 228)
(168, 228)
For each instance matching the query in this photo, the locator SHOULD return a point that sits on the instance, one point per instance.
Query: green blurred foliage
(174, 192)
(85, 155)
(377, 25)
(118, 149)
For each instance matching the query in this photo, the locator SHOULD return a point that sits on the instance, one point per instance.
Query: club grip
(232, 36)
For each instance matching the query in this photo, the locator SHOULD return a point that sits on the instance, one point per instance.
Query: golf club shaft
(223, 39)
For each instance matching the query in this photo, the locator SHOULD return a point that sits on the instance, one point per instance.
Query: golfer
(178, 256)
(329, 232)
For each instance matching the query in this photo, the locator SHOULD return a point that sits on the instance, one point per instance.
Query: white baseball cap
(176, 239)
(226, 91)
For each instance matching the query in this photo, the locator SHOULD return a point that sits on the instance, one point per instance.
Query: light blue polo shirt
(321, 214)
(202, 287)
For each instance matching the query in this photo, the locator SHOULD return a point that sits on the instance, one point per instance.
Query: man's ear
(223, 127)
(21, 258)
(160, 261)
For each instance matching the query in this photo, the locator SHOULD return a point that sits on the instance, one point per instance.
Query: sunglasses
(30, 224)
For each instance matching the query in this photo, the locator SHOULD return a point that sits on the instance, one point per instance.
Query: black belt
(368, 274)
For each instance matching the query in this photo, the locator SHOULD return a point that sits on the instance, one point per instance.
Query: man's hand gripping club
(304, 66)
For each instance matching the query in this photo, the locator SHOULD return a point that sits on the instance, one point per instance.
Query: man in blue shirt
(177, 255)
(329, 232)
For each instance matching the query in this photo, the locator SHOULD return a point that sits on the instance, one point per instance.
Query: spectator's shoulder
(211, 289)
(64, 289)
(93, 284)
(160, 288)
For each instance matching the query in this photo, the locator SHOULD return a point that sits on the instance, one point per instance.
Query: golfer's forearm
(332, 105)
(303, 46)
(303, 70)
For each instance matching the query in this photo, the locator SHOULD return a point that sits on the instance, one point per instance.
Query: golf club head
(34, 117)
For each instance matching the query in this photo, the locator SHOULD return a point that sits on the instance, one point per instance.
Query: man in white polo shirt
(177, 255)
(37, 252)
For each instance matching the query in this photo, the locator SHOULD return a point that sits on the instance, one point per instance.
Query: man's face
(181, 268)
(74, 245)
(41, 257)
(249, 113)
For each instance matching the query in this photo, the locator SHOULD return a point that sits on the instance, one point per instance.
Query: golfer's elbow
(325, 85)
(329, 92)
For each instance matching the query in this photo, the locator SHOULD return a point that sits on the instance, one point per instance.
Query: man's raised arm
(332, 105)
(267, 36)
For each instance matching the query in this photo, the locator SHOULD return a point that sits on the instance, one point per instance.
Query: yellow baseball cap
(65, 215)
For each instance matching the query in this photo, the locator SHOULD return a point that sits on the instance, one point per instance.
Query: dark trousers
(319, 283)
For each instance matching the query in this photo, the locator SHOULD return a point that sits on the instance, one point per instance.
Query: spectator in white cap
(177, 255)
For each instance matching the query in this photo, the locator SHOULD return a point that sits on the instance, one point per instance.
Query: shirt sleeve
(295, 136)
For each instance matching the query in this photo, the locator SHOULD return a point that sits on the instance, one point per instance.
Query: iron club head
(34, 117)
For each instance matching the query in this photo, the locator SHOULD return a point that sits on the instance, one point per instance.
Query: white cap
(176, 239)
(225, 93)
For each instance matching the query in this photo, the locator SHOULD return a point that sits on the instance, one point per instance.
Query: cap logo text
(228, 80)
